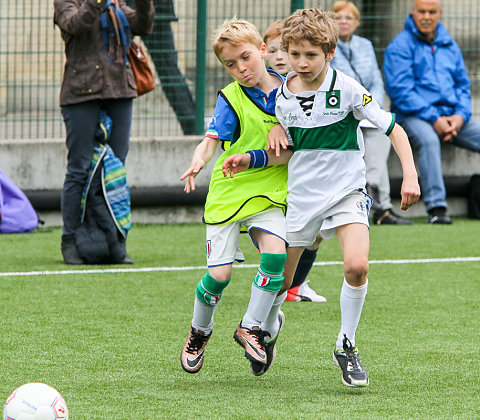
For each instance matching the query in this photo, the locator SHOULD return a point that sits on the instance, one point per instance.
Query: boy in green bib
(254, 201)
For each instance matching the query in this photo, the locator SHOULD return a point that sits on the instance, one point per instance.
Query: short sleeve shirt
(323, 128)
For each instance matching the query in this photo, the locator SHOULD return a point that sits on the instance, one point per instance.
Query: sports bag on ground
(17, 214)
(106, 211)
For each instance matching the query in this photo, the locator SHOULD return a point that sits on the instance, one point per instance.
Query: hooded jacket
(426, 79)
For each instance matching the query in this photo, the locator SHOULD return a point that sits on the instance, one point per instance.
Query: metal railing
(31, 59)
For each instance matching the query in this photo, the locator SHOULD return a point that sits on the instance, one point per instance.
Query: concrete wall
(36, 165)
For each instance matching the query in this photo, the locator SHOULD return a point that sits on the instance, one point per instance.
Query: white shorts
(222, 240)
(353, 208)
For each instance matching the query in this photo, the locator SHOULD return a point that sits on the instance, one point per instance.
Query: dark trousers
(80, 123)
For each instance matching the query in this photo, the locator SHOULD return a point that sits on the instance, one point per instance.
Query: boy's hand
(190, 174)
(235, 164)
(410, 192)
(276, 139)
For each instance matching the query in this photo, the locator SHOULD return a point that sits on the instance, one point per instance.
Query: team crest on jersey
(366, 99)
(211, 299)
(261, 280)
(332, 99)
(208, 246)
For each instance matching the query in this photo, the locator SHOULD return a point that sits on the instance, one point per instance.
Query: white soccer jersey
(323, 128)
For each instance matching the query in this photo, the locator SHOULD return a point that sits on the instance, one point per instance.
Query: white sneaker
(306, 293)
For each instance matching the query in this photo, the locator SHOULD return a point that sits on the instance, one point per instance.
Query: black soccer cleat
(259, 369)
(348, 359)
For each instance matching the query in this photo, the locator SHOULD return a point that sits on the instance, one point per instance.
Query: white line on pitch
(200, 267)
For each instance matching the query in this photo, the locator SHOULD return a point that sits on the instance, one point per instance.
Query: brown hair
(313, 25)
(345, 4)
(234, 32)
(273, 31)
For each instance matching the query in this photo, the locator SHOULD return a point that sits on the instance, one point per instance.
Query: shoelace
(352, 354)
(259, 336)
(196, 342)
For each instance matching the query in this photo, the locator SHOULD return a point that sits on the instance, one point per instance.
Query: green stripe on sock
(272, 263)
(270, 274)
(209, 291)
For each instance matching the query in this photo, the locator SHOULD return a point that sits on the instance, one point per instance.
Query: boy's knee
(220, 273)
(356, 268)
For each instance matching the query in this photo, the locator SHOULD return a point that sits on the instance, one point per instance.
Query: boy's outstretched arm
(241, 161)
(410, 189)
(203, 153)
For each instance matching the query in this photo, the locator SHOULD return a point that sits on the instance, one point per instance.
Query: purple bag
(17, 214)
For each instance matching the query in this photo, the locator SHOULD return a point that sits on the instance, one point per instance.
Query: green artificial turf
(110, 342)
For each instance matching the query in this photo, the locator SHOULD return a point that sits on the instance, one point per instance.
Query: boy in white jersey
(277, 59)
(243, 117)
(320, 110)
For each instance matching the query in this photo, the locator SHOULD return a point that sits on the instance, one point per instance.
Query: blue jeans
(423, 137)
(80, 123)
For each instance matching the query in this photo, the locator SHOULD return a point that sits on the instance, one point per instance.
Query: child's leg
(221, 252)
(354, 240)
(271, 324)
(207, 296)
(306, 262)
(268, 279)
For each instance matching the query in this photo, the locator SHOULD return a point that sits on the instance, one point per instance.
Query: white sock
(271, 324)
(258, 307)
(351, 304)
(203, 316)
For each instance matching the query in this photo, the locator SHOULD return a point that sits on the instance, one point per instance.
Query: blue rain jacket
(426, 79)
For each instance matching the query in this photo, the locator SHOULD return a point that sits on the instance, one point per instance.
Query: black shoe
(127, 259)
(69, 251)
(388, 217)
(439, 216)
(270, 349)
(348, 359)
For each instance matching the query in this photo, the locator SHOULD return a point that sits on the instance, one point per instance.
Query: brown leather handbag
(137, 59)
(141, 69)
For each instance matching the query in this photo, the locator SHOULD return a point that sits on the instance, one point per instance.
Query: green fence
(31, 59)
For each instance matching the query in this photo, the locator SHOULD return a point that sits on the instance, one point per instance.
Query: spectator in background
(355, 56)
(97, 76)
(161, 47)
(277, 59)
(429, 88)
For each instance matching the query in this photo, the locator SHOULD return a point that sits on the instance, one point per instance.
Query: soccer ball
(35, 401)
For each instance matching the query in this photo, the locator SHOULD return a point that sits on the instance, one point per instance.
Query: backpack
(474, 197)
(17, 214)
(106, 213)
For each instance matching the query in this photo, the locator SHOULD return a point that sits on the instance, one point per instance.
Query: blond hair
(273, 31)
(235, 32)
(348, 5)
(314, 25)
